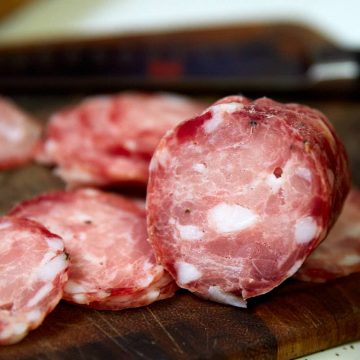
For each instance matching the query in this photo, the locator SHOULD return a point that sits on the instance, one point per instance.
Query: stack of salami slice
(101, 257)
(238, 197)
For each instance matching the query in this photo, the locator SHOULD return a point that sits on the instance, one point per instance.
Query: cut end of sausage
(240, 195)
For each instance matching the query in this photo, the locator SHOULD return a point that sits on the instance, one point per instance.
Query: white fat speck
(19, 328)
(82, 236)
(229, 107)
(305, 230)
(5, 225)
(41, 293)
(350, 260)
(187, 273)
(147, 265)
(129, 267)
(200, 168)
(152, 295)
(218, 295)
(144, 282)
(189, 232)
(47, 257)
(274, 182)
(102, 294)
(16, 331)
(217, 115)
(217, 118)
(90, 192)
(34, 315)
(80, 299)
(11, 132)
(153, 164)
(50, 146)
(130, 144)
(304, 173)
(295, 267)
(226, 218)
(76, 173)
(55, 244)
(53, 268)
(331, 177)
(162, 157)
(214, 122)
(72, 287)
(172, 221)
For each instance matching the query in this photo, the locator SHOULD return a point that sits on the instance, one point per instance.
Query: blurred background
(309, 46)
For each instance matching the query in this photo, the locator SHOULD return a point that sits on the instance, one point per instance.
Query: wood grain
(295, 319)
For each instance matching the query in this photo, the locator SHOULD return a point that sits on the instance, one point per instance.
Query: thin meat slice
(109, 140)
(239, 196)
(112, 266)
(33, 271)
(19, 135)
(339, 254)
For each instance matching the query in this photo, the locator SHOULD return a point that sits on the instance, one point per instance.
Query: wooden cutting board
(295, 319)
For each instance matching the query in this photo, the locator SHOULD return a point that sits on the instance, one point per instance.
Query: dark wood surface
(295, 319)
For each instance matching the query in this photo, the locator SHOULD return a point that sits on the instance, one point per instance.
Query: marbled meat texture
(239, 196)
(112, 266)
(19, 135)
(339, 254)
(109, 140)
(33, 271)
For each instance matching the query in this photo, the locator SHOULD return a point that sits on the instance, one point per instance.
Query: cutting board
(295, 319)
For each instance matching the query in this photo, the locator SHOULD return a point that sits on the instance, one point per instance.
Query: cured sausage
(339, 254)
(109, 140)
(33, 273)
(112, 266)
(19, 135)
(239, 196)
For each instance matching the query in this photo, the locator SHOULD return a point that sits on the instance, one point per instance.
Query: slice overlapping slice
(112, 266)
(109, 140)
(339, 254)
(19, 135)
(33, 271)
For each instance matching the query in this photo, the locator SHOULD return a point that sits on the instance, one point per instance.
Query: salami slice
(339, 254)
(33, 272)
(112, 266)
(239, 196)
(19, 135)
(109, 140)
